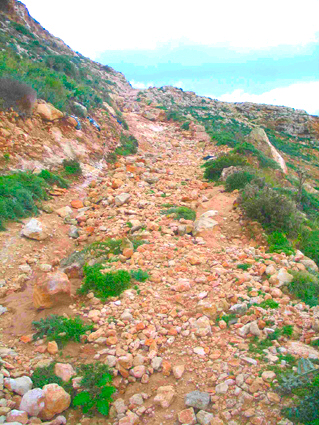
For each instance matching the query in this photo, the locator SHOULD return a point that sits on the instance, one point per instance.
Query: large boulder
(56, 400)
(19, 385)
(259, 139)
(32, 402)
(51, 289)
(48, 112)
(34, 229)
(205, 222)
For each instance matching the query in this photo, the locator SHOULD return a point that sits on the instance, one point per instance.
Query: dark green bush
(274, 211)
(278, 242)
(72, 167)
(97, 392)
(128, 146)
(60, 329)
(18, 195)
(139, 275)
(306, 287)
(185, 125)
(53, 179)
(309, 244)
(243, 266)
(238, 180)
(104, 285)
(181, 212)
(214, 168)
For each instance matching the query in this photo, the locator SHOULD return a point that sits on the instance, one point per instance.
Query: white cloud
(142, 24)
(299, 96)
(140, 85)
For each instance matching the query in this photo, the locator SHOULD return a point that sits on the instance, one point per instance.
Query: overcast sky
(265, 52)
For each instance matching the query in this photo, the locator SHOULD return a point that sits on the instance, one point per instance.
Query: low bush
(269, 304)
(185, 125)
(19, 193)
(53, 179)
(96, 389)
(214, 168)
(238, 180)
(243, 266)
(309, 244)
(305, 286)
(139, 275)
(271, 209)
(111, 158)
(60, 329)
(128, 146)
(181, 212)
(102, 250)
(104, 283)
(278, 242)
(246, 148)
(72, 167)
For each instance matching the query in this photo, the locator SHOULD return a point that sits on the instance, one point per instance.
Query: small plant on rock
(181, 212)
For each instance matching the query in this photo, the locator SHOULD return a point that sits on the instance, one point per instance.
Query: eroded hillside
(179, 260)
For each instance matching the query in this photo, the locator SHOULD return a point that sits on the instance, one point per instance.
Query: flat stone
(197, 399)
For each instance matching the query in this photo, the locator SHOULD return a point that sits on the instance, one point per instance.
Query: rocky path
(164, 338)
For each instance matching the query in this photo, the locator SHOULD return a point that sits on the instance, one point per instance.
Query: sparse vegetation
(214, 168)
(238, 180)
(96, 389)
(103, 282)
(269, 304)
(52, 179)
(72, 167)
(17, 95)
(60, 329)
(305, 286)
(139, 275)
(45, 375)
(128, 146)
(181, 212)
(279, 243)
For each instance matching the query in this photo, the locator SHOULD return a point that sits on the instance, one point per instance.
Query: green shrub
(238, 180)
(271, 209)
(60, 329)
(214, 168)
(18, 195)
(139, 275)
(269, 304)
(97, 391)
(53, 179)
(128, 146)
(72, 167)
(287, 330)
(185, 125)
(309, 244)
(305, 286)
(101, 250)
(45, 375)
(181, 212)
(104, 285)
(243, 266)
(278, 242)
(111, 158)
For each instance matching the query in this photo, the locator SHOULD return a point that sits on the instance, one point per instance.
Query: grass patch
(60, 329)
(305, 286)
(52, 179)
(269, 304)
(106, 284)
(181, 212)
(128, 146)
(243, 266)
(279, 243)
(226, 317)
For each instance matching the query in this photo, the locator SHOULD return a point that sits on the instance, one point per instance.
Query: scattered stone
(34, 229)
(19, 385)
(187, 417)
(165, 396)
(197, 399)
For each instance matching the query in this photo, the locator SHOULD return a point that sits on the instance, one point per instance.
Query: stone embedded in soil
(197, 399)
(187, 417)
(165, 396)
(51, 289)
(34, 229)
(64, 371)
(17, 416)
(32, 402)
(204, 418)
(19, 385)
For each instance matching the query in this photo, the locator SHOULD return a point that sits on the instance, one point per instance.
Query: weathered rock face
(56, 400)
(51, 289)
(259, 139)
(34, 229)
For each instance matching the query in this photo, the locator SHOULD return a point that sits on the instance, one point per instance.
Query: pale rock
(202, 325)
(64, 211)
(19, 385)
(34, 229)
(221, 388)
(187, 417)
(284, 277)
(268, 375)
(52, 347)
(309, 264)
(64, 371)
(197, 399)
(138, 371)
(56, 400)
(157, 363)
(120, 406)
(17, 416)
(130, 419)
(204, 418)
(178, 371)
(136, 400)
(205, 222)
(122, 199)
(165, 396)
(33, 402)
(52, 289)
